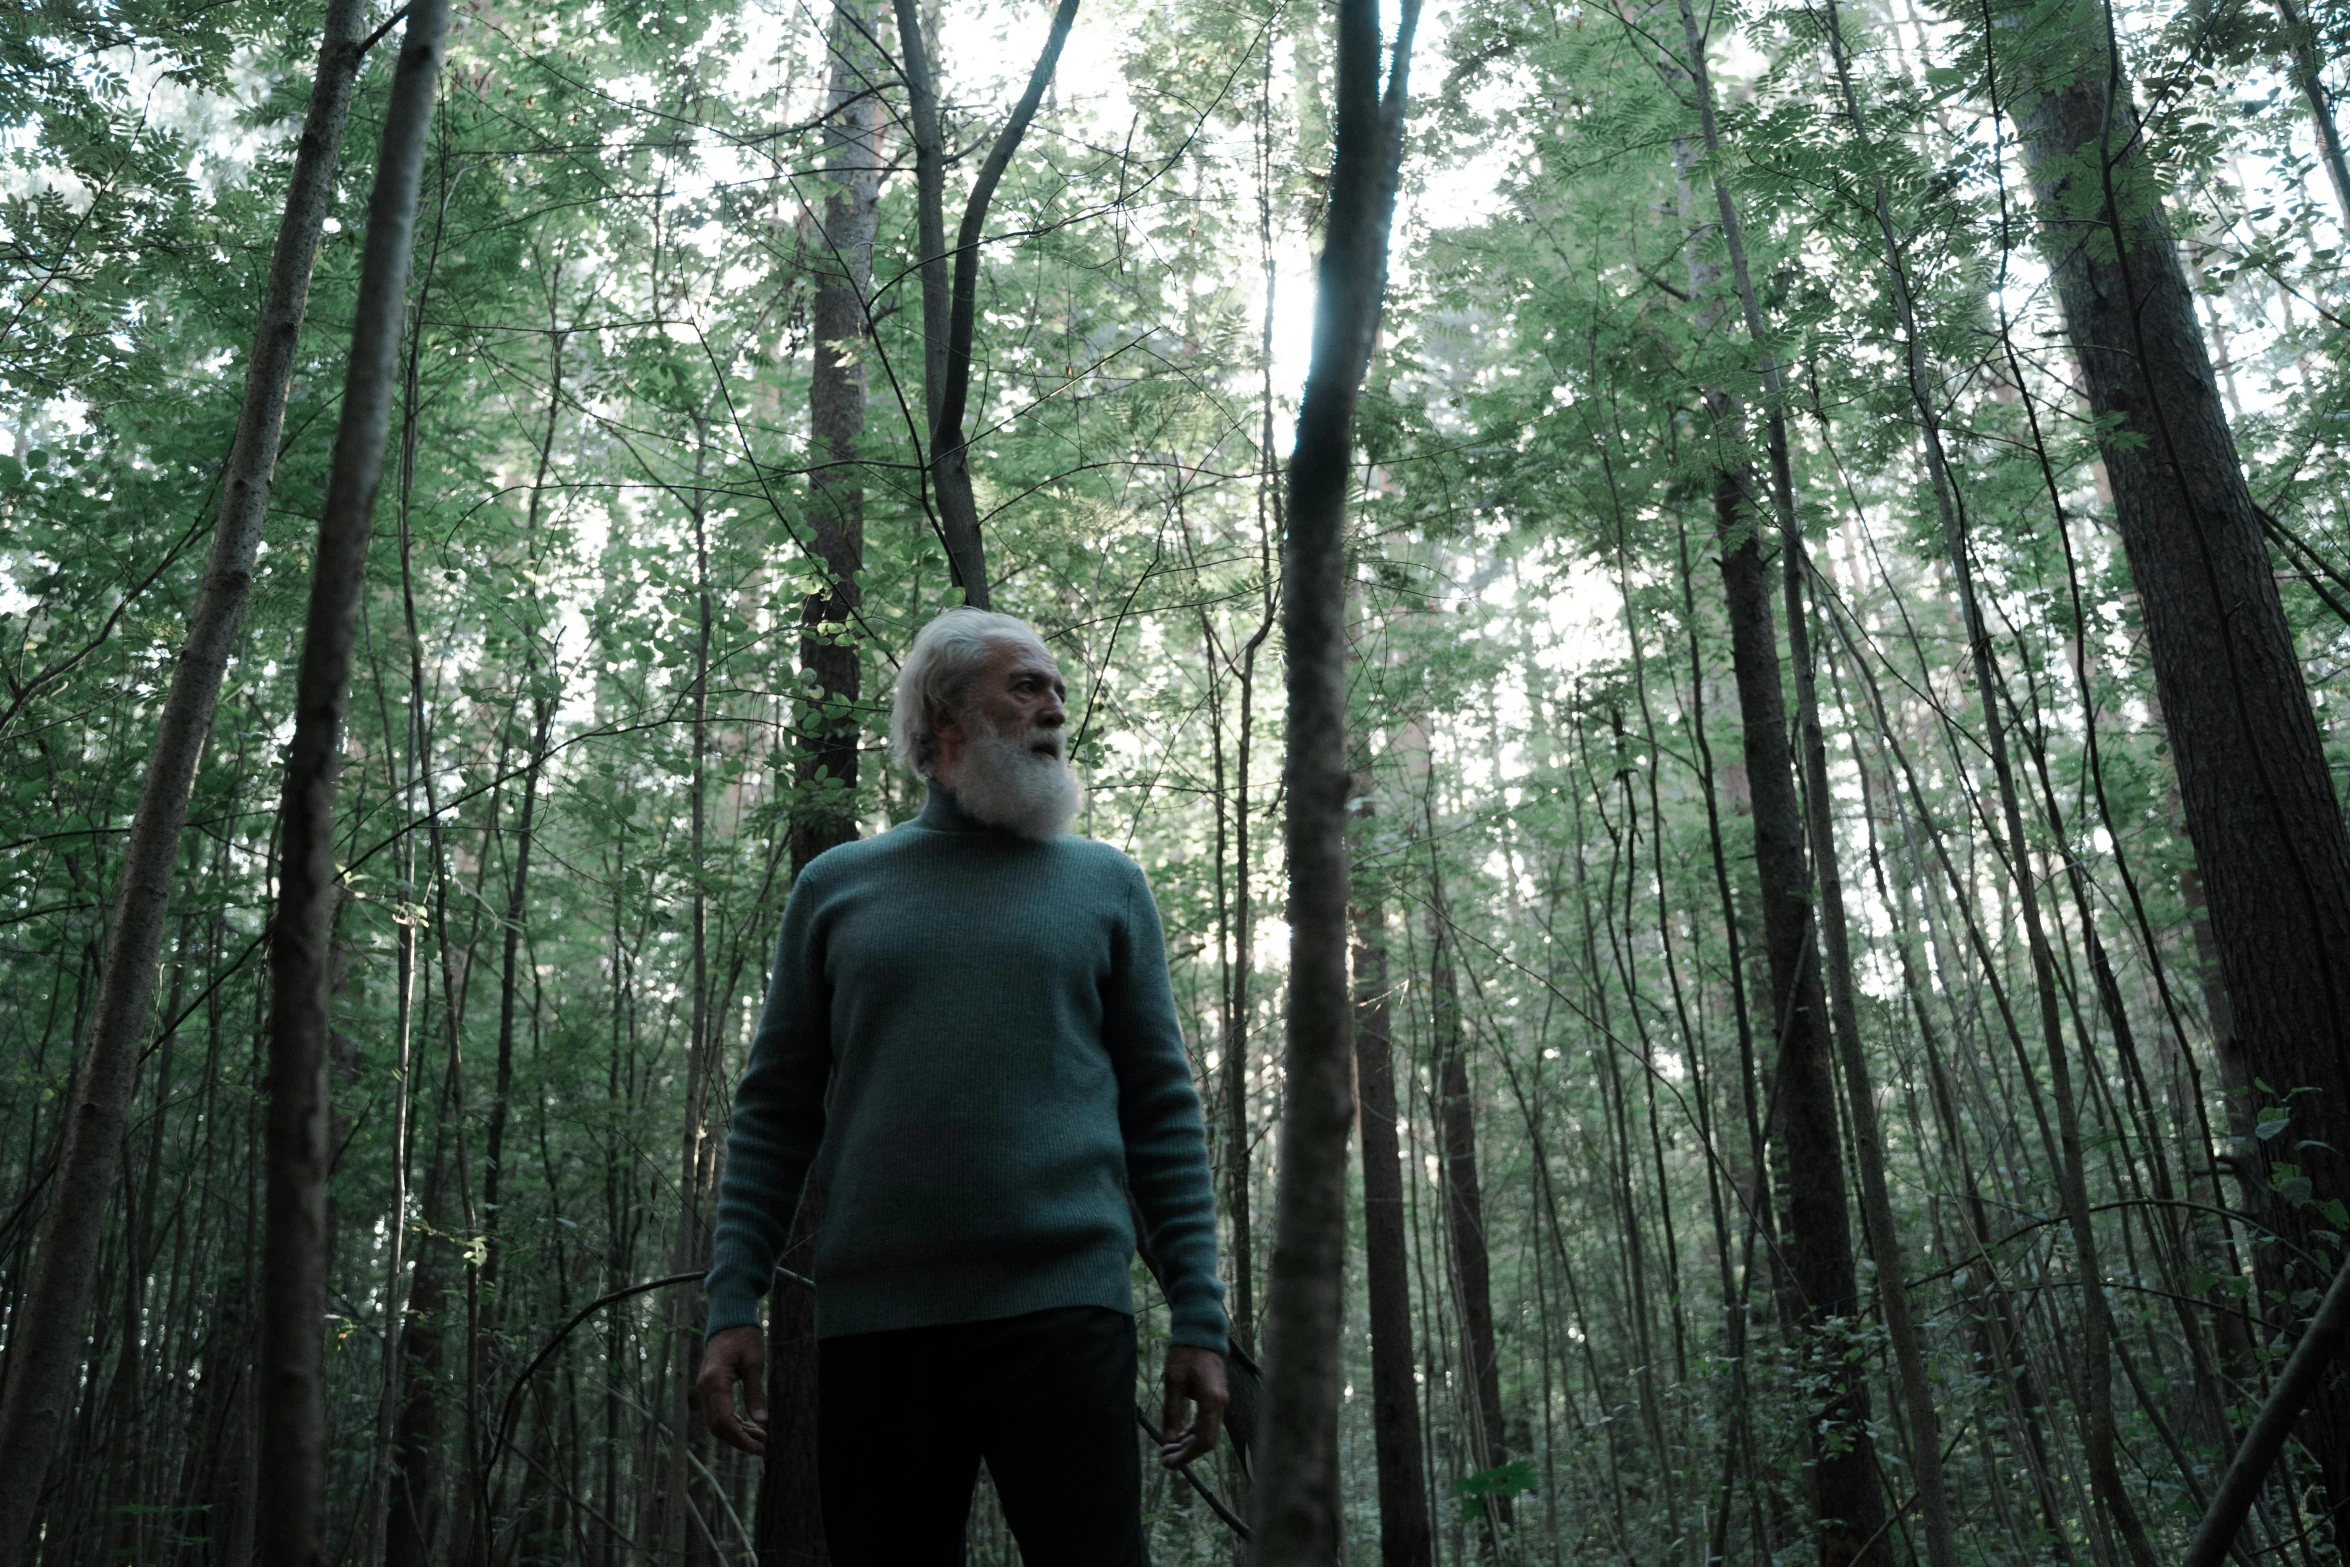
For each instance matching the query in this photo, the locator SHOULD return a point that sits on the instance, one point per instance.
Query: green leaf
(1514, 1478)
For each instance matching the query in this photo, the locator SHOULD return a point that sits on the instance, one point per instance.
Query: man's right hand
(736, 1355)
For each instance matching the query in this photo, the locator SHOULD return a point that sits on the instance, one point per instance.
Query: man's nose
(1055, 712)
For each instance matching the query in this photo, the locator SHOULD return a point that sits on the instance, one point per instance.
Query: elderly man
(970, 1042)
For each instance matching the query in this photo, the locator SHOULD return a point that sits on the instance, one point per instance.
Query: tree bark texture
(1405, 1539)
(1296, 1518)
(1816, 1232)
(1805, 1146)
(2253, 782)
(842, 262)
(290, 1368)
(47, 1326)
(1923, 1424)
(790, 1522)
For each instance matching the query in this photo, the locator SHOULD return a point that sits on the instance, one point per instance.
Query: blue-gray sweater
(971, 1039)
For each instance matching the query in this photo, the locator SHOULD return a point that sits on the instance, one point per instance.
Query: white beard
(1020, 783)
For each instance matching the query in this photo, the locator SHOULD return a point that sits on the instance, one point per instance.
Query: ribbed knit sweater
(970, 1042)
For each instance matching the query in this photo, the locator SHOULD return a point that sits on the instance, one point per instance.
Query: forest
(1717, 623)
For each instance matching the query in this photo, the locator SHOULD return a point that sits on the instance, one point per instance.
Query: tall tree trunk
(1923, 1424)
(1234, 1070)
(842, 261)
(1404, 1536)
(543, 701)
(950, 312)
(2308, 73)
(1296, 1501)
(493, 1187)
(408, 921)
(1819, 1284)
(2258, 799)
(290, 1365)
(1816, 1232)
(790, 1521)
(1464, 1194)
(47, 1325)
(686, 1528)
(413, 1512)
(545, 693)
(1239, 1198)
(412, 1505)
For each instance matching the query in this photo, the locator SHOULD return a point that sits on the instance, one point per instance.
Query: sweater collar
(943, 813)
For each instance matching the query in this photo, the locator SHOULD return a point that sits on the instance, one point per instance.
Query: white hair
(934, 683)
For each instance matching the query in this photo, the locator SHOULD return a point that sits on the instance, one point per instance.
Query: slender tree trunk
(1816, 1233)
(290, 1373)
(1297, 1502)
(217, 1496)
(686, 1528)
(412, 1507)
(1924, 1429)
(413, 1512)
(1239, 1199)
(1820, 1285)
(830, 727)
(930, 224)
(47, 1324)
(2308, 73)
(509, 1001)
(1760, 1222)
(790, 1520)
(409, 919)
(790, 1523)
(950, 312)
(1232, 1081)
(1464, 1193)
(1234, 1074)
(1404, 1536)
(1924, 1426)
(2253, 781)
(543, 702)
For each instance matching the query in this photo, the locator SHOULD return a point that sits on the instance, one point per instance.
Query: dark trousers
(1047, 1399)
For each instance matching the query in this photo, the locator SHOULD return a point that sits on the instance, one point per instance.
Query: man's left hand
(1196, 1377)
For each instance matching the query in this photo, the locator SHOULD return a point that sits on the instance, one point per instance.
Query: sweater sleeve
(1159, 1115)
(777, 1122)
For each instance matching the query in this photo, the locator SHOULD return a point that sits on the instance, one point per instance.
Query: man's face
(1018, 693)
